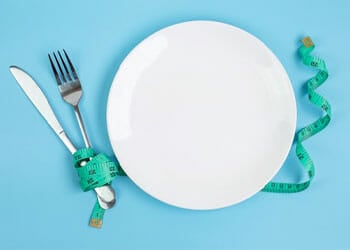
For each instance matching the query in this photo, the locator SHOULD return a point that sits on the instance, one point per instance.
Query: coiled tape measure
(312, 129)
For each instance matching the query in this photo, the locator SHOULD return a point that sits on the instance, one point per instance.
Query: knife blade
(39, 100)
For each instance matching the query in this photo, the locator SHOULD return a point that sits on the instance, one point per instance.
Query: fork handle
(105, 194)
(82, 127)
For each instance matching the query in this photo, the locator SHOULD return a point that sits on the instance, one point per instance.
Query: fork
(71, 91)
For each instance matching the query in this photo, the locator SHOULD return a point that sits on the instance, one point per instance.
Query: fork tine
(65, 66)
(71, 65)
(59, 67)
(58, 79)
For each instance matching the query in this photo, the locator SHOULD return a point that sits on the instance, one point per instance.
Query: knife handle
(65, 139)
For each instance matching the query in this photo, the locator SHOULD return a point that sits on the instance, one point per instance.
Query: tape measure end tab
(307, 42)
(96, 223)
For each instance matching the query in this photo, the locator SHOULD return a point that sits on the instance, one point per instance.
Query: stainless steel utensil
(71, 91)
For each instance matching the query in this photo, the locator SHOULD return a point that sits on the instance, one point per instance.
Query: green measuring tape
(313, 128)
(100, 170)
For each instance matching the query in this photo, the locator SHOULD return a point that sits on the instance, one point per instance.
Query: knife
(37, 97)
(105, 194)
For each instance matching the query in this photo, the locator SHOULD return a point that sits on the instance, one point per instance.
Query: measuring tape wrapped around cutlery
(97, 171)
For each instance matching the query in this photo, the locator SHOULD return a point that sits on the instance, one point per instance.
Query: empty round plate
(201, 115)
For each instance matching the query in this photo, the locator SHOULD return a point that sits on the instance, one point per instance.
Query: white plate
(201, 115)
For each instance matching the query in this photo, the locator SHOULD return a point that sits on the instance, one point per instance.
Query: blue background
(42, 206)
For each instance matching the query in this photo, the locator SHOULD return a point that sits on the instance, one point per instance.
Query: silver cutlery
(39, 100)
(71, 91)
(70, 88)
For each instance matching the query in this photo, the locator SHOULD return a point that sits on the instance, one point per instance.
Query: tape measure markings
(311, 129)
(98, 171)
